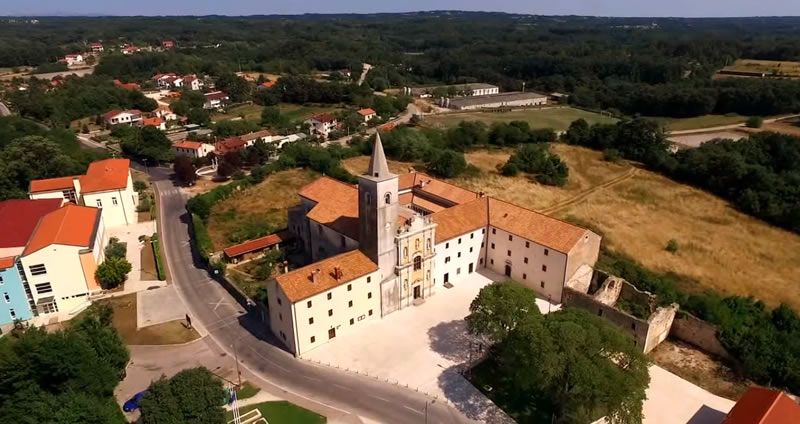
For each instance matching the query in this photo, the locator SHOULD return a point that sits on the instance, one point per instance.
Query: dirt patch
(263, 206)
(148, 271)
(695, 140)
(172, 332)
(699, 368)
(786, 126)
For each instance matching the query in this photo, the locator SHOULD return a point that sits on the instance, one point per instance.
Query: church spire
(377, 162)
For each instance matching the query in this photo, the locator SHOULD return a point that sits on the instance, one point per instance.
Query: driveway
(420, 347)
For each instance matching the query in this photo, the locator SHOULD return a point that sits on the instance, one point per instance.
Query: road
(216, 314)
(364, 73)
(403, 118)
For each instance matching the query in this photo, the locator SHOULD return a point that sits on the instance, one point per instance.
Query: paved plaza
(158, 306)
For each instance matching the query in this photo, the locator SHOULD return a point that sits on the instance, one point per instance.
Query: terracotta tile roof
(51, 184)
(230, 144)
(255, 244)
(764, 406)
(367, 111)
(6, 263)
(337, 205)
(18, 219)
(534, 226)
(111, 113)
(425, 184)
(323, 117)
(216, 95)
(194, 145)
(298, 284)
(70, 225)
(256, 135)
(105, 175)
(154, 121)
(412, 199)
(460, 219)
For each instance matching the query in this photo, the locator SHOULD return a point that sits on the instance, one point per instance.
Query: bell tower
(377, 211)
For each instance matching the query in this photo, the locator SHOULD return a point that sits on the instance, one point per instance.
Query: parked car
(132, 404)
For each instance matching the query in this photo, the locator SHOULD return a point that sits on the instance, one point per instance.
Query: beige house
(107, 185)
(412, 235)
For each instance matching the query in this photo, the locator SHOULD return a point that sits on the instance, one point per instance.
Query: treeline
(76, 97)
(766, 343)
(760, 174)
(29, 151)
(63, 377)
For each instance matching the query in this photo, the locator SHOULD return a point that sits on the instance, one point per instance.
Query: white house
(322, 124)
(119, 117)
(367, 114)
(74, 59)
(107, 185)
(96, 47)
(215, 100)
(193, 149)
(191, 82)
(165, 113)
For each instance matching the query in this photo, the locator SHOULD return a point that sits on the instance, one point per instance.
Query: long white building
(395, 240)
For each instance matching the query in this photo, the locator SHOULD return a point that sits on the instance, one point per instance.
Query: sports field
(557, 118)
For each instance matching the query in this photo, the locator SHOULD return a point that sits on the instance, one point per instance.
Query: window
(544, 268)
(458, 271)
(524, 276)
(1, 280)
(599, 312)
(417, 263)
(369, 279)
(405, 252)
(541, 283)
(99, 203)
(472, 236)
(369, 295)
(494, 230)
(279, 301)
(483, 230)
(510, 237)
(633, 326)
(492, 261)
(350, 304)
(7, 297)
(459, 240)
(311, 320)
(349, 287)
(428, 244)
(416, 244)
(508, 253)
(38, 269)
(280, 317)
(492, 245)
(387, 198)
(13, 313)
(367, 198)
(308, 304)
(447, 259)
(526, 260)
(330, 296)
(428, 275)
(546, 252)
(459, 254)
(447, 245)
(370, 312)
(313, 339)
(482, 244)
(42, 288)
(114, 201)
(352, 321)
(330, 312)
(470, 250)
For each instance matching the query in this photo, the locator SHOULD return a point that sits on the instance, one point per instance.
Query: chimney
(285, 267)
(337, 273)
(315, 276)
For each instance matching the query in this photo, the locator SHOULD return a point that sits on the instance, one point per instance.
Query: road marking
(343, 387)
(412, 409)
(311, 378)
(380, 398)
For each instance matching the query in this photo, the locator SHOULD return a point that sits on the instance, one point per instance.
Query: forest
(649, 66)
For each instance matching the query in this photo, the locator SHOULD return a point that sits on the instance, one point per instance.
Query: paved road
(364, 72)
(403, 118)
(215, 313)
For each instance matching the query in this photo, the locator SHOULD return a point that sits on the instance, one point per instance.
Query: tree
(271, 117)
(112, 272)
(237, 87)
(115, 249)
(191, 396)
(754, 122)
(147, 143)
(259, 153)
(184, 169)
(578, 132)
(446, 163)
(536, 159)
(229, 164)
(30, 158)
(498, 309)
(198, 116)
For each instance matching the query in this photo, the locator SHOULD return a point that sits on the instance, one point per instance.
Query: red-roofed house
(96, 47)
(73, 59)
(168, 44)
(60, 259)
(130, 86)
(367, 114)
(253, 248)
(18, 219)
(230, 144)
(322, 124)
(107, 184)
(193, 149)
(154, 121)
(764, 406)
(120, 117)
(215, 100)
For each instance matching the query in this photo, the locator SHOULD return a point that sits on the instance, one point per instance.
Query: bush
(536, 159)
(612, 155)
(112, 272)
(115, 249)
(139, 186)
(672, 246)
(201, 237)
(446, 163)
(754, 122)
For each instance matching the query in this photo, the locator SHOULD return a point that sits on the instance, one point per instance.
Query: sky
(682, 8)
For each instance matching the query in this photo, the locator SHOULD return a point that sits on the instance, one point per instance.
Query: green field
(282, 412)
(295, 113)
(557, 118)
(705, 121)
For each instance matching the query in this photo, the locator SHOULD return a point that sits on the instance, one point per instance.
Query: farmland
(557, 118)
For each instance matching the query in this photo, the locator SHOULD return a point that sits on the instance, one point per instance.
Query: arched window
(366, 198)
(416, 244)
(428, 244)
(417, 263)
(388, 198)
(405, 252)
(428, 275)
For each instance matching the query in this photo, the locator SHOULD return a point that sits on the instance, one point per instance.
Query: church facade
(394, 240)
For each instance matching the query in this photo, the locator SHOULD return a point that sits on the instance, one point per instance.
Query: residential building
(168, 44)
(13, 300)
(367, 114)
(130, 86)
(266, 136)
(74, 59)
(252, 248)
(419, 234)
(107, 185)
(764, 406)
(166, 114)
(60, 259)
(215, 100)
(493, 101)
(193, 149)
(154, 121)
(322, 124)
(231, 144)
(191, 82)
(96, 47)
(123, 117)
(475, 89)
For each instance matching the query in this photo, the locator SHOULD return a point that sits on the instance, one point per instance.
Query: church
(394, 240)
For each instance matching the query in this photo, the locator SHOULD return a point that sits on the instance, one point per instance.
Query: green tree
(446, 163)
(754, 122)
(112, 272)
(184, 169)
(536, 159)
(29, 158)
(499, 308)
(115, 249)
(191, 396)
(271, 117)
(237, 87)
(198, 116)
(148, 143)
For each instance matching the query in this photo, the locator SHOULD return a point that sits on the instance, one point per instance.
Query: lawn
(261, 207)
(282, 412)
(640, 212)
(557, 118)
(124, 321)
(705, 121)
(296, 113)
(251, 112)
(247, 391)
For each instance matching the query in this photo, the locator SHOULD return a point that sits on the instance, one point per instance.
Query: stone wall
(635, 327)
(659, 325)
(701, 334)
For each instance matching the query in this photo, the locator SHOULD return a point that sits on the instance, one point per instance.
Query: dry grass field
(639, 212)
(265, 203)
(781, 69)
